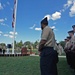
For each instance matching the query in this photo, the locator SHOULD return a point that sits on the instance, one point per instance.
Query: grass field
(27, 66)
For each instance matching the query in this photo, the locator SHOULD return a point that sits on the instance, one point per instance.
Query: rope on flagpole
(14, 24)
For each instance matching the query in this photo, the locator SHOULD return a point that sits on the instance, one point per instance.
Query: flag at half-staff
(14, 13)
(14, 22)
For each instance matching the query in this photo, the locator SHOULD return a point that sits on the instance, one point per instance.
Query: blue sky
(61, 17)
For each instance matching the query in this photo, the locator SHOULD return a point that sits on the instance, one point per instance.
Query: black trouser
(68, 57)
(48, 61)
(71, 59)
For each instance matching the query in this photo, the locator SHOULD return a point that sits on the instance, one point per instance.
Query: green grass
(63, 68)
(36, 51)
(27, 66)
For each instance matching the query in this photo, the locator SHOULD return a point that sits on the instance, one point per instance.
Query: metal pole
(15, 12)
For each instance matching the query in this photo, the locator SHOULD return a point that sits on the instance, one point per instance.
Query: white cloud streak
(68, 4)
(3, 24)
(56, 15)
(37, 29)
(10, 36)
(1, 20)
(32, 26)
(6, 35)
(1, 32)
(53, 27)
(71, 5)
(11, 33)
(72, 10)
(1, 7)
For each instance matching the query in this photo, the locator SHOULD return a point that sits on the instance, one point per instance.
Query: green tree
(36, 43)
(19, 44)
(3, 44)
(15, 44)
(62, 43)
(28, 44)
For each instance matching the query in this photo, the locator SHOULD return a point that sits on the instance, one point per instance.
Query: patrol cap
(44, 21)
(68, 37)
(65, 39)
(73, 26)
(57, 44)
(71, 31)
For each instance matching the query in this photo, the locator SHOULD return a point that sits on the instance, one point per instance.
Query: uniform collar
(46, 27)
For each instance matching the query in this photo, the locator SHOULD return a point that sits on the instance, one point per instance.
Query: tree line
(20, 44)
(28, 44)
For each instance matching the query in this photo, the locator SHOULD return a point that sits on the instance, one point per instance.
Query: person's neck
(72, 35)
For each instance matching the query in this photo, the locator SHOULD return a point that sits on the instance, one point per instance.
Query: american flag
(14, 13)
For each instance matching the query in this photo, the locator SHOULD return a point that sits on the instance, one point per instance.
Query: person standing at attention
(48, 56)
(73, 28)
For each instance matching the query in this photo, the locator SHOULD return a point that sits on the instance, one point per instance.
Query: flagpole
(14, 28)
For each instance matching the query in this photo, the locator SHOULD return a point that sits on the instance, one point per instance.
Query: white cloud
(53, 27)
(32, 27)
(1, 32)
(68, 4)
(48, 17)
(6, 35)
(1, 7)
(62, 10)
(3, 24)
(13, 33)
(10, 36)
(56, 15)
(38, 29)
(16, 33)
(72, 10)
(1, 20)
(71, 5)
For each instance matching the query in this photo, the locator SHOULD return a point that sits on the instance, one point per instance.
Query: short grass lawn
(27, 66)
